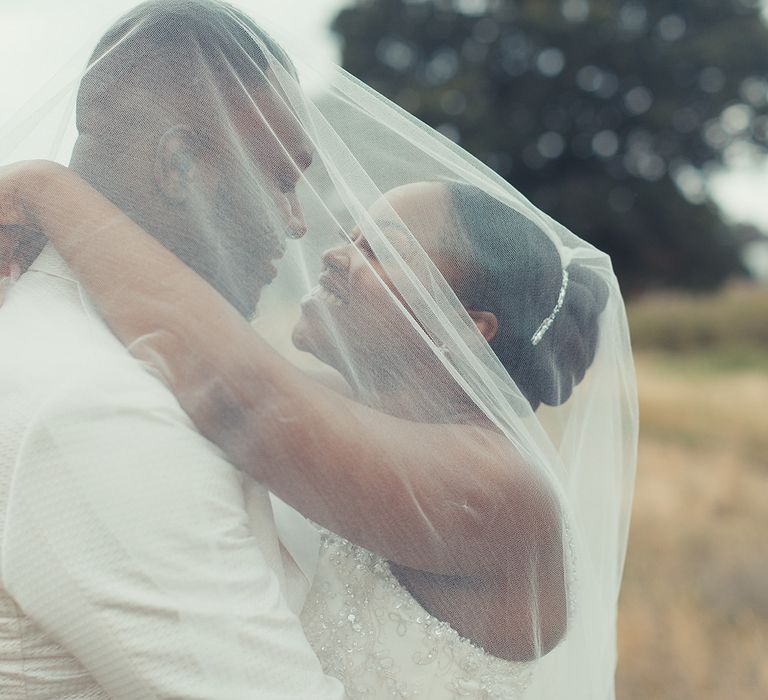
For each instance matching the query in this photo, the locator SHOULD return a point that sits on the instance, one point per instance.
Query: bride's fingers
(10, 237)
(7, 281)
(5, 284)
(19, 245)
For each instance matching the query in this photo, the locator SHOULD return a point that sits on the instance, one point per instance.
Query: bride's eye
(361, 243)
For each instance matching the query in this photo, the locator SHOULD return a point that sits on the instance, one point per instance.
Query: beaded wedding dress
(369, 632)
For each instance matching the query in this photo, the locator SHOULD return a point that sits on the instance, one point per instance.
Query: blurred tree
(608, 114)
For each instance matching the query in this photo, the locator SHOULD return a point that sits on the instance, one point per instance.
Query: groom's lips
(268, 269)
(270, 272)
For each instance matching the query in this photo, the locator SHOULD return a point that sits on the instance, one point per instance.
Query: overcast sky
(38, 36)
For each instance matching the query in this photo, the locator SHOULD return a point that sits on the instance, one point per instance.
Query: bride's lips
(330, 284)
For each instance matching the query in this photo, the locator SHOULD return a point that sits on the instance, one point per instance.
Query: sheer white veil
(435, 235)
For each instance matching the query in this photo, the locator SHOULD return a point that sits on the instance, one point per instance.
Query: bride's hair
(518, 277)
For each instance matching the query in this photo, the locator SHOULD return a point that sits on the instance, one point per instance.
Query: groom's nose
(297, 226)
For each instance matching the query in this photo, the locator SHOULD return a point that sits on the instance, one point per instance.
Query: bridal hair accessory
(547, 322)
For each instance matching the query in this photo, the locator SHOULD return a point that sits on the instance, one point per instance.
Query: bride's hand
(20, 236)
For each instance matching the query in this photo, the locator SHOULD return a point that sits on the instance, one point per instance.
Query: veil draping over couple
(299, 400)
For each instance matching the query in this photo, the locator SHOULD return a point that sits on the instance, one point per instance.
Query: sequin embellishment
(371, 634)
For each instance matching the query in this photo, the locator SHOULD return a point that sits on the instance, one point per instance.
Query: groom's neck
(113, 170)
(102, 167)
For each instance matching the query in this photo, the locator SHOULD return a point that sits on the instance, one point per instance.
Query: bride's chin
(299, 336)
(306, 338)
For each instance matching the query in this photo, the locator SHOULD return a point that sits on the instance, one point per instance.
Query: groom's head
(184, 120)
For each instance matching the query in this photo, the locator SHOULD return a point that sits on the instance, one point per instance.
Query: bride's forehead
(421, 206)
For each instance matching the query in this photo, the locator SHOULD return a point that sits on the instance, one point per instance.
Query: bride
(467, 449)
(445, 549)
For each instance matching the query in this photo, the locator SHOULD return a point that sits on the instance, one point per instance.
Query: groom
(136, 562)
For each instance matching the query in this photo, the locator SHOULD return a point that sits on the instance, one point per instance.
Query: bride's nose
(337, 258)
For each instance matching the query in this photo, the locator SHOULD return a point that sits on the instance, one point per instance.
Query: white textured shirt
(135, 562)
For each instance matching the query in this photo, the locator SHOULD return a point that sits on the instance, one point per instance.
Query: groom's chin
(246, 301)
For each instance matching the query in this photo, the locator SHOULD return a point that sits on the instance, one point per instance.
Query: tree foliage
(608, 114)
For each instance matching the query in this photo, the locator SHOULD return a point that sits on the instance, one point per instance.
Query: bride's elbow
(529, 621)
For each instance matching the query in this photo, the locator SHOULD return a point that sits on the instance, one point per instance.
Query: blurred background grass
(694, 607)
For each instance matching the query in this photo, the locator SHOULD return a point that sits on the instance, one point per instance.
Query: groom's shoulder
(54, 345)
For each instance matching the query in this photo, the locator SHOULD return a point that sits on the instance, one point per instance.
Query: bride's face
(355, 305)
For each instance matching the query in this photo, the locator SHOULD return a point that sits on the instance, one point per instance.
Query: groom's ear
(175, 164)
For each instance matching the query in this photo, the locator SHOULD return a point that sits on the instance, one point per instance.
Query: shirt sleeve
(127, 539)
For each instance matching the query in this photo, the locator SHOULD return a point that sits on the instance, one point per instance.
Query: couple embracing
(299, 400)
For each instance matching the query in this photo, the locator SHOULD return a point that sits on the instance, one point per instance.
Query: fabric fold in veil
(390, 265)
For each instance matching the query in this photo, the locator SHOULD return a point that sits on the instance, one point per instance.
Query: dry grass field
(694, 608)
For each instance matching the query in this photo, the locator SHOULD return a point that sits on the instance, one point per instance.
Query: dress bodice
(371, 634)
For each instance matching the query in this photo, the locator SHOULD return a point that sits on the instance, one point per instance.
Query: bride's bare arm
(451, 500)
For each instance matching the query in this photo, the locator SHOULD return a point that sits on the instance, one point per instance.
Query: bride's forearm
(110, 255)
(149, 298)
(445, 499)
(284, 429)
(427, 497)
